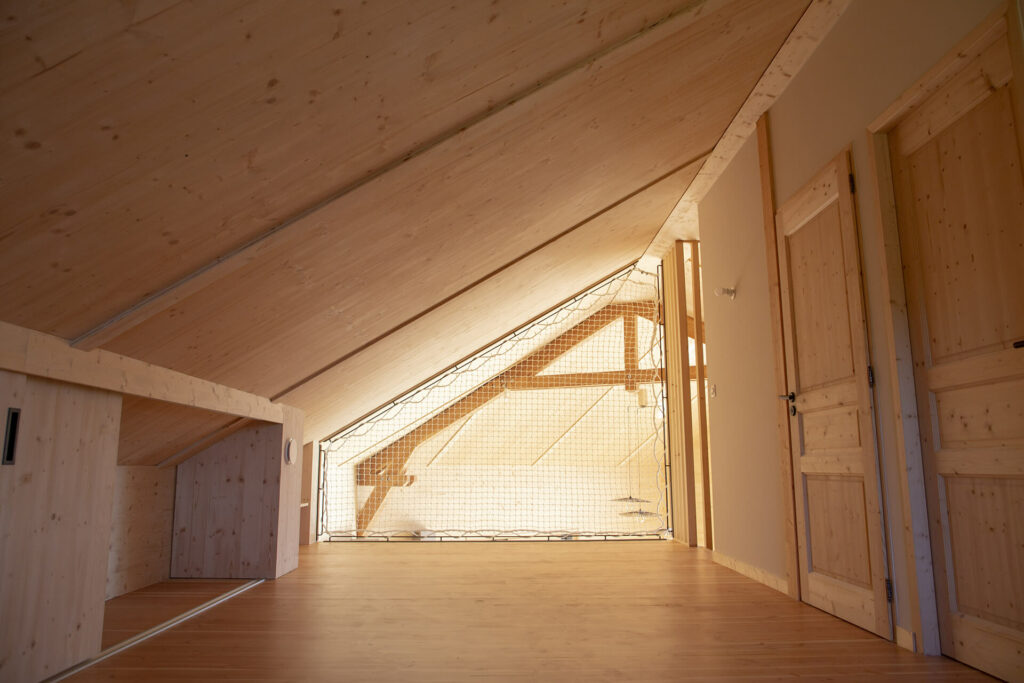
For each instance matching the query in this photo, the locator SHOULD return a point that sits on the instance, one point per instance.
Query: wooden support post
(307, 501)
(679, 328)
(702, 405)
(629, 351)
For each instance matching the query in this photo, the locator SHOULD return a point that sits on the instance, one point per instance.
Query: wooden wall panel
(822, 334)
(986, 531)
(838, 528)
(55, 525)
(141, 525)
(236, 508)
(965, 296)
(837, 428)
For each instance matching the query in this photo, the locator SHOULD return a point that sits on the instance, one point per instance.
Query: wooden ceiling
(328, 206)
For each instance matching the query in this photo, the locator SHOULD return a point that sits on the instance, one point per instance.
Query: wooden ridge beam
(42, 355)
(239, 257)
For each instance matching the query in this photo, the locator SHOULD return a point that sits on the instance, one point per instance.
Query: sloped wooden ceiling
(329, 202)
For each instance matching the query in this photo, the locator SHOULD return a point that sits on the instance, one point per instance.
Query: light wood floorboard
(132, 613)
(626, 611)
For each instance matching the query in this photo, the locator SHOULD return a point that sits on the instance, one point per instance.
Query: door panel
(960, 208)
(835, 466)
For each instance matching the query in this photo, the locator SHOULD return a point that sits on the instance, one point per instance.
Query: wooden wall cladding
(236, 504)
(55, 525)
(141, 524)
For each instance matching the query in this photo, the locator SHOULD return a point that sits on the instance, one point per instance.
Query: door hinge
(853, 185)
(888, 590)
(871, 376)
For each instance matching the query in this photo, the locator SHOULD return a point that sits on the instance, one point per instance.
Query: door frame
(764, 156)
(903, 388)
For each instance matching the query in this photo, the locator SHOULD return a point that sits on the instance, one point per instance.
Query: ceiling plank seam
(232, 261)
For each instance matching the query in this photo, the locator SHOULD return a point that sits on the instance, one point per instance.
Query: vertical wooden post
(629, 351)
(679, 396)
(702, 404)
(782, 409)
(308, 511)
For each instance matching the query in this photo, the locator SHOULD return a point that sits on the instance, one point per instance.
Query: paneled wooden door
(835, 465)
(959, 192)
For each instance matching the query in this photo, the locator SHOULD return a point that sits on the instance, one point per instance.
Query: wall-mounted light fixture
(726, 291)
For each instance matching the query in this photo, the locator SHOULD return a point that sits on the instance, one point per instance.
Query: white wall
(746, 480)
(877, 50)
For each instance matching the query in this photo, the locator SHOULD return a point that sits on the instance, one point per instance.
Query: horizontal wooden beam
(577, 380)
(42, 355)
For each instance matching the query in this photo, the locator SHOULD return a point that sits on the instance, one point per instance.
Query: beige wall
(140, 537)
(55, 525)
(746, 481)
(877, 49)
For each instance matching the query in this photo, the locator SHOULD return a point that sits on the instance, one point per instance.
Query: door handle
(788, 397)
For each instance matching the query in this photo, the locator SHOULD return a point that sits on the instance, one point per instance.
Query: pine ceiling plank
(152, 431)
(37, 36)
(379, 256)
(434, 342)
(209, 123)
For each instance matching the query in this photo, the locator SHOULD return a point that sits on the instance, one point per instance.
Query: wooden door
(835, 465)
(959, 194)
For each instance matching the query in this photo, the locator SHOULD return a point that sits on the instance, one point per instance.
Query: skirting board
(905, 639)
(751, 572)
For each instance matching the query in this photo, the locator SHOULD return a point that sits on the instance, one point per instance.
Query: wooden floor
(132, 613)
(627, 611)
